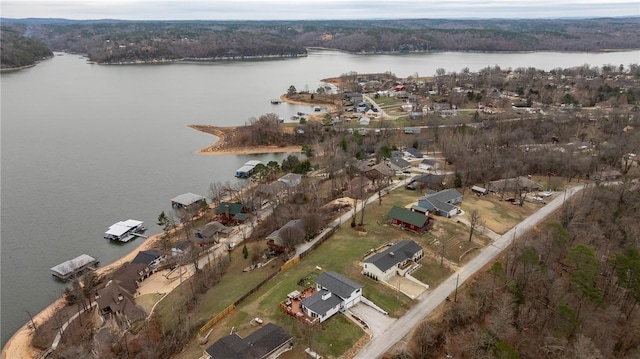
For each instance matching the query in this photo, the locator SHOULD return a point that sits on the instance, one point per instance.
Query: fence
(216, 319)
(290, 263)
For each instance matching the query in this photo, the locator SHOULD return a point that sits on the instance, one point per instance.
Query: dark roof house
(395, 254)
(270, 341)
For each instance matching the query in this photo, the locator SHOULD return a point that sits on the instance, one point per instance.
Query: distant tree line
(18, 51)
(109, 41)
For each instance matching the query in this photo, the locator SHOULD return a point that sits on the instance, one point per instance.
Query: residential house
(229, 209)
(181, 248)
(443, 202)
(277, 235)
(115, 300)
(432, 181)
(512, 184)
(188, 201)
(150, 258)
(130, 275)
(380, 173)
(334, 292)
(406, 219)
(211, 233)
(268, 342)
(399, 164)
(291, 179)
(398, 259)
(428, 164)
(359, 186)
(606, 175)
(412, 152)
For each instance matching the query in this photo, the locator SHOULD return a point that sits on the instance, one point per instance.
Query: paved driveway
(376, 321)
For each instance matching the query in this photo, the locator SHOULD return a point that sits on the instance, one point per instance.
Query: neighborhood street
(379, 344)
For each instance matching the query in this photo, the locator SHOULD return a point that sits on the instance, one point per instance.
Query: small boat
(300, 113)
(125, 231)
(276, 102)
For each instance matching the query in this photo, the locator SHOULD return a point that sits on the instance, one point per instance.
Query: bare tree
(474, 223)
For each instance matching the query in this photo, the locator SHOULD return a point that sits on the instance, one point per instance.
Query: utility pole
(455, 296)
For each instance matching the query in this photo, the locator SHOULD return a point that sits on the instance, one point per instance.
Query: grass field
(343, 253)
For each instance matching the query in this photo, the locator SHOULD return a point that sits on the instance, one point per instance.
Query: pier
(74, 267)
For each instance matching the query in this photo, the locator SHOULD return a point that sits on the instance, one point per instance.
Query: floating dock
(247, 169)
(74, 267)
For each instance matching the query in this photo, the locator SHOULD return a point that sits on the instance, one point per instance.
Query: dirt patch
(499, 216)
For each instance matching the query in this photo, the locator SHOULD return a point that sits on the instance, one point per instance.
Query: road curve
(380, 344)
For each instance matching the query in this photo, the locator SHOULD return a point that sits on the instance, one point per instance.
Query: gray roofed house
(211, 229)
(337, 284)
(187, 200)
(291, 179)
(399, 164)
(426, 181)
(412, 152)
(270, 341)
(334, 292)
(443, 202)
(294, 223)
(428, 164)
(397, 259)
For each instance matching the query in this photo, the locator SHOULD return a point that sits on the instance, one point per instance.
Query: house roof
(383, 168)
(318, 305)
(183, 245)
(445, 196)
(295, 223)
(414, 152)
(479, 189)
(115, 297)
(407, 216)
(146, 257)
(438, 205)
(234, 208)
(429, 179)
(240, 217)
(395, 254)
(212, 228)
(187, 199)
(256, 345)
(128, 274)
(400, 162)
(427, 161)
(291, 179)
(337, 284)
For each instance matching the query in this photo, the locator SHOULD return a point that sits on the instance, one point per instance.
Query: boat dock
(74, 267)
(247, 169)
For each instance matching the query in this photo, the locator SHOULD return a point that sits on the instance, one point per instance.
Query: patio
(292, 307)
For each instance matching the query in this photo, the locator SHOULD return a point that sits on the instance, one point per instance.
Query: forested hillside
(111, 41)
(18, 51)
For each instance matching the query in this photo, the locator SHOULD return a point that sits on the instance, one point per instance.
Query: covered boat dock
(74, 267)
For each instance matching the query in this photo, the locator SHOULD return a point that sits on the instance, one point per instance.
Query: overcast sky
(313, 9)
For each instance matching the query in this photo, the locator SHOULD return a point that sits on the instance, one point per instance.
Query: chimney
(226, 210)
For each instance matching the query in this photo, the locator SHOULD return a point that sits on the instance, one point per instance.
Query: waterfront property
(398, 259)
(124, 231)
(74, 267)
(268, 342)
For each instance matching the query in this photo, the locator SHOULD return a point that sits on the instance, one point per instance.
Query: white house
(395, 260)
(428, 164)
(334, 292)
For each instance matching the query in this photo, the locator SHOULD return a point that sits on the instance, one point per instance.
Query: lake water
(84, 146)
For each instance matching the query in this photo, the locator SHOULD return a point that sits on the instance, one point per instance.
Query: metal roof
(72, 265)
(122, 227)
(407, 216)
(187, 199)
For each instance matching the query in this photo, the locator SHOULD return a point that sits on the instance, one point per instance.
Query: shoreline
(19, 345)
(218, 148)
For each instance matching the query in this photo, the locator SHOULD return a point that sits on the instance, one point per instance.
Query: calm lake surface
(84, 146)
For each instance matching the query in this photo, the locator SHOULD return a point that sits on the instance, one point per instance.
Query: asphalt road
(394, 333)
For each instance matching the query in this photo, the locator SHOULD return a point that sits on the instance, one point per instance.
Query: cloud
(314, 9)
